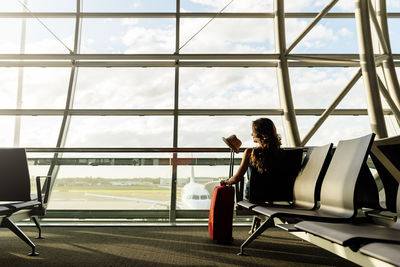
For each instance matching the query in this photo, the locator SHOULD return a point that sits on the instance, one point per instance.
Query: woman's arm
(242, 168)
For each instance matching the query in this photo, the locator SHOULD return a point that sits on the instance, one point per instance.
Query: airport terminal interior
(116, 112)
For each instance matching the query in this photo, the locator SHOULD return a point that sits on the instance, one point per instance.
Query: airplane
(194, 196)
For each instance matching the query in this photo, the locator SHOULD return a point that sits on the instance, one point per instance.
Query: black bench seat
(16, 201)
(348, 185)
(352, 235)
(386, 252)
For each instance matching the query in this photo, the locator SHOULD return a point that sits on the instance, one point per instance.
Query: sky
(153, 88)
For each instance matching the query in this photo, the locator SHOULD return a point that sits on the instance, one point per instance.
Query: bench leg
(268, 223)
(35, 220)
(15, 229)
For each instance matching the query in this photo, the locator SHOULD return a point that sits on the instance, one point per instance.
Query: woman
(260, 162)
(261, 159)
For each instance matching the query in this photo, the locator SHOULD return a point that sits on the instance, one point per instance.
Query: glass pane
(45, 87)
(9, 85)
(35, 131)
(40, 131)
(329, 36)
(129, 6)
(195, 185)
(7, 131)
(227, 35)
(228, 88)
(393, 5)
(392, 125)
(38, 5)
(10, 30)
(318, 5)
(319, 87)
(208, 131)
(218, 5)
(123, 131)
(41, 40)
(125, 88)
(334, 129)
(128, 36)
(394, 33)
(113, 187)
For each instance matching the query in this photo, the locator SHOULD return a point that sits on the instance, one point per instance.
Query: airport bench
(17, 202)
(347, 186)
(377, 238)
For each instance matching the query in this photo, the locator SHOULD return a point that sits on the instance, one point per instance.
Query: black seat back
(385, 154)
(338, 191)
(307, 185)
(14, 175)
(277, 183)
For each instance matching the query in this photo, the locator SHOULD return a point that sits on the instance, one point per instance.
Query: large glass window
(146, 85)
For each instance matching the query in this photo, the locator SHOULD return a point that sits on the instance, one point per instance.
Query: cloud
(145, 40)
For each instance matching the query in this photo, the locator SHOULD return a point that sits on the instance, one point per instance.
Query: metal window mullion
(388, 64)
(17, 126)
(62, 137)
(368, 68)
(283, 75)
(172, 211)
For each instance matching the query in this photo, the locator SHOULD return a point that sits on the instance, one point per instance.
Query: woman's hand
(224, 182)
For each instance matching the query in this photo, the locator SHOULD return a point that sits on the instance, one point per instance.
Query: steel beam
(17, 126)
(283, 75)
(181, 112)
(368, 69)
(72, 15)
(172, 210)
(388, 64)
(62, 136)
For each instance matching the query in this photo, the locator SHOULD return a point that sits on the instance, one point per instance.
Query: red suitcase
(221, 214)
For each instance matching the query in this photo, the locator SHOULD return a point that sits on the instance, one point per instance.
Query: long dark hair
(270, 144)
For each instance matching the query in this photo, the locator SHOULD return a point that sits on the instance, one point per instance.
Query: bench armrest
(45, 188)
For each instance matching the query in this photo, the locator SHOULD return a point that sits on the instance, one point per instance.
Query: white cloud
(148, 40)
(130, 21)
